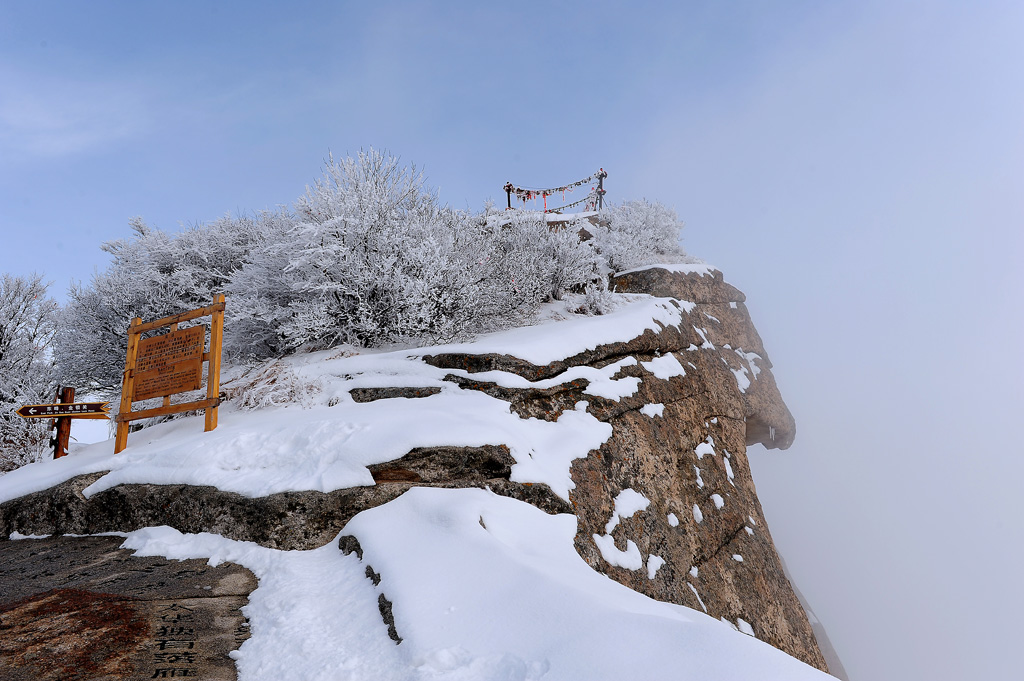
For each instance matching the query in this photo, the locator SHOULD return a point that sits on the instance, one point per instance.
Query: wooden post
(63, 437)
(147, 382)
(53, 425)
(128, 385)
(213, 366)
(167, 398)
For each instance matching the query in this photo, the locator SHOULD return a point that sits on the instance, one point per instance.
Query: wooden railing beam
(178, 318)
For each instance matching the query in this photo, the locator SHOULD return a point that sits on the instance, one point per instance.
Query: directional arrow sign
(82, 410)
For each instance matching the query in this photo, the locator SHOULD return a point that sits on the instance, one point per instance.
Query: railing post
(127, 386)
(213, 366)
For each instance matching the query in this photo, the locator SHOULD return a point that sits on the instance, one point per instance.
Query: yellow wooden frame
(212, 358)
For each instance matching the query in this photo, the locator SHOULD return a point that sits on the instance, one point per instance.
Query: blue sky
(180, 113)
(855, 167)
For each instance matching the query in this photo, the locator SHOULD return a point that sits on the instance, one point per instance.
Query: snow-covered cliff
(442, 498)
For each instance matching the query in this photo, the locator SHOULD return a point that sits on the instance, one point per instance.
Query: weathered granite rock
(371, 394)
(702, 540)
(348, 544)
(715, 552)
(709, 287)
(724, 321)
(288, 520)
(82, 609)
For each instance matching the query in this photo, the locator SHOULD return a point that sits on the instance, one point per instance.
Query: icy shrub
(637, 233)
(375, 260)
(272, 385)
(597, 300)
(571, 264)
(154, 274)
(27, 376)
(260, 291)
(531, 263)
(365, 257)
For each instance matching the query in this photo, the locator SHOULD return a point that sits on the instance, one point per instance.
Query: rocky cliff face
(666, 506)
(704, 519)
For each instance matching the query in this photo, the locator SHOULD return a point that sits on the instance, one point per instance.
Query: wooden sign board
(62, 412)
(170, 364)
(78, 410)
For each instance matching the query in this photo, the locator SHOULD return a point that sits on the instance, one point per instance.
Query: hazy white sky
(855, 167)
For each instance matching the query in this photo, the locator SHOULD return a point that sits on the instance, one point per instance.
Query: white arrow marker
(31, 411)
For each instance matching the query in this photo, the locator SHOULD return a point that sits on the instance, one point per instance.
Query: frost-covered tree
(27, 322)
(367, 256)
(374, 259)
(152, 274)
(260, 289)
(532, 263)
(637, 233)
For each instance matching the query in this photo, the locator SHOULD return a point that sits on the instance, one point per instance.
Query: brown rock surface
(288, 520)
(724, 564)
(691, 462)
(82, 609)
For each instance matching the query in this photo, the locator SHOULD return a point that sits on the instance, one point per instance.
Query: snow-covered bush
(27, 322)
(260, 291)
(367, 257)
(637, 233)
(153, 274)
(597, 299)
(374, 259)
(531, 263)
(272, 384)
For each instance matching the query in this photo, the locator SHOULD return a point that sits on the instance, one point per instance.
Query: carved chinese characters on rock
(174, 652)
(170, 364)
(84, 609)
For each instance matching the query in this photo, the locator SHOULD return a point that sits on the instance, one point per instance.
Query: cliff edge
(652, 428)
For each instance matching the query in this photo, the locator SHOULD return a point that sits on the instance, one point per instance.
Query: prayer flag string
(525, 194)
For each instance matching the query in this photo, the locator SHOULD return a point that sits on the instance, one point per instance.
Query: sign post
(76, 410)
(63, 436)
(62, 412)
(170, 364)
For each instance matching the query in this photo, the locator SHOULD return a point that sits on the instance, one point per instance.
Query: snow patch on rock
(664, 367)
(653, 410)
(627, 502)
